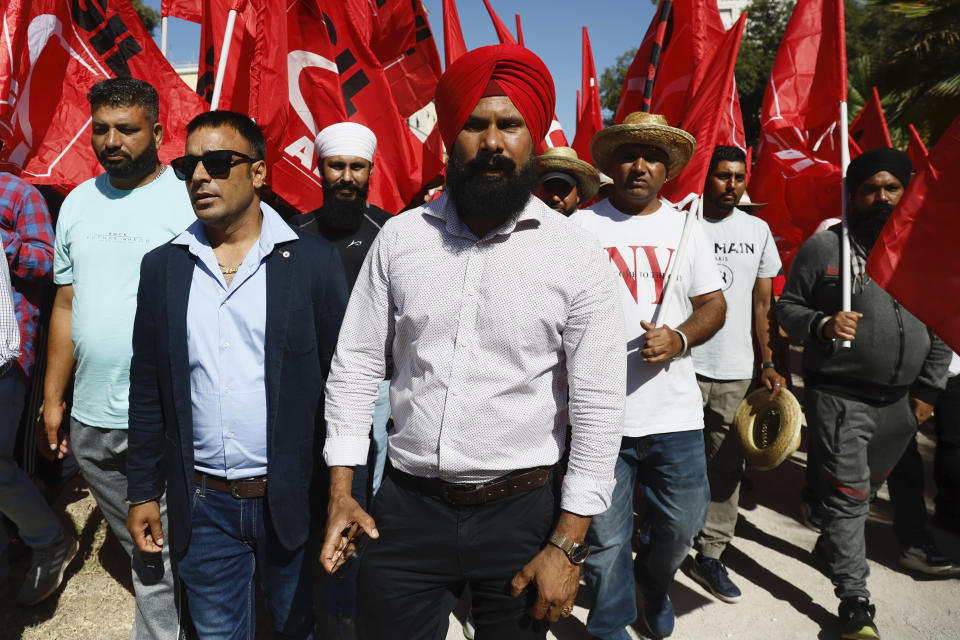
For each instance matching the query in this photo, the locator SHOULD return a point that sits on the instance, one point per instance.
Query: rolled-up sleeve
(360, 360)
(595, 344)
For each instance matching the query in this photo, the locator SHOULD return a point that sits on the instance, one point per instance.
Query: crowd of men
(465, 395)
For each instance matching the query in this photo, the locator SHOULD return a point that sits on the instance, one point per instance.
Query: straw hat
(748, 205)
(769, 430)
(565, 160)
(644, 128)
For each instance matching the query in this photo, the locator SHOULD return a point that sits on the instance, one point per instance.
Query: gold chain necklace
(227, 271)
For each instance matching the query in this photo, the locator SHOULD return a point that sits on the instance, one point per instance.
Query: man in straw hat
(747, 258)
(564, 180)
(504, 328)
(863, 402)
(662, 444)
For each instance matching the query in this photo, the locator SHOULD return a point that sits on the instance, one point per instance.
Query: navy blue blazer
(306, 299)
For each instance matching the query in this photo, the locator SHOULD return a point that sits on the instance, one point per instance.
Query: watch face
(579, 554)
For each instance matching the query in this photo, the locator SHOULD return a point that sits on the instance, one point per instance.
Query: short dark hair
(239, 122)
(125, 92)
(726, 153)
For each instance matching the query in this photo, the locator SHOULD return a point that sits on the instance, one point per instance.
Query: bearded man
(863, 403)
(106, 225)
(503, 323)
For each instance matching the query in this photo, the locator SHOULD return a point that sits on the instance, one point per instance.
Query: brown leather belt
(246, 488)
(467, 495)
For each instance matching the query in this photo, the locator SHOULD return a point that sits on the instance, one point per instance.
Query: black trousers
(428, 551)
(946, 460)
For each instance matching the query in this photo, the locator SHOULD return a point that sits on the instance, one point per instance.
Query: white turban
(346, 139)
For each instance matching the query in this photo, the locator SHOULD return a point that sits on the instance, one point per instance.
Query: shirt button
(229, 434)
(226, 389)
(226, 345)
(462, 343)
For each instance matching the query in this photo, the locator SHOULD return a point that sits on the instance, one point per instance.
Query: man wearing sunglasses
(105, 227)
(237, 320)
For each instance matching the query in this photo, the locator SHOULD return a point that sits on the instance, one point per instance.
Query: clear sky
(551, 28)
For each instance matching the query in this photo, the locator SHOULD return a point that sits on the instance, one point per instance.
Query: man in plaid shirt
(27, 239)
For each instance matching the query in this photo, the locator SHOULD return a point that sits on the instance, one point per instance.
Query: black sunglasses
(217, 163)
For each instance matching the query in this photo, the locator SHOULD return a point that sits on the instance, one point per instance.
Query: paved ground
(784, 595)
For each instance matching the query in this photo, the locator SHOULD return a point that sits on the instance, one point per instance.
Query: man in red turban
(504, 326)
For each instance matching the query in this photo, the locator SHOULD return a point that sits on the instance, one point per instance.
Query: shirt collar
(443, 209)
(273, 231)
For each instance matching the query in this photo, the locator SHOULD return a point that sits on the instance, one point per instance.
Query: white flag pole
(666, 301)
(222, 65)
(845, 265)
(163, 36)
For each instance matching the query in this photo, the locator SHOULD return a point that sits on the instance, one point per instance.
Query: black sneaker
(856, 619)
(927, 558)
(46, 570)
(713, 575)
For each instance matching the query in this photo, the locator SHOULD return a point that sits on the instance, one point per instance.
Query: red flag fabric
(191, 10)
(916, 150)
(453, 44)
(58, 52)
(590, 120)
(915, 259)
(235, 91)
(519, 32)
(798, 159)
(503, 34)
(642, 71)
(703, 118)
(869, 128)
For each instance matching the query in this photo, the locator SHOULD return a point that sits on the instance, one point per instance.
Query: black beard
(867, 225)
(477, 196)
(343, 216)
(719, 204)
(139, 167)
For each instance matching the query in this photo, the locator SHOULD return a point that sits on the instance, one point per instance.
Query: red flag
(503, 34)
(235, 89)
(869, 128)
(704, 115)
(915, 258)
(191, 10)
(642, 70)
(519, 32)
(58, 52)
(591, 116)
(453, 44)
(916, 149)
(798, 158)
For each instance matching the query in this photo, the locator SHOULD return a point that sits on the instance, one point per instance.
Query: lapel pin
(285, 254)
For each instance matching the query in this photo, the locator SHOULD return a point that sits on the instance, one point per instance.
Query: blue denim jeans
(671, 471)
(231, 540)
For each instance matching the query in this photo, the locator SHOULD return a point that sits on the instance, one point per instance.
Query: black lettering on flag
(351, 87)
(88, 18)
(106, 38)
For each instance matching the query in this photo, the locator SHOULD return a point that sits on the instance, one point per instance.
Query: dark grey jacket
(893, 352)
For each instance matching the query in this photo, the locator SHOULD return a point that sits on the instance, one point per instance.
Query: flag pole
(222, 65)
(163, 36)
(845, 266)
(692, 219)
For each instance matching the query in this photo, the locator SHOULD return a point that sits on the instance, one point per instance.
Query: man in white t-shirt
(662, 444)
(747, 258)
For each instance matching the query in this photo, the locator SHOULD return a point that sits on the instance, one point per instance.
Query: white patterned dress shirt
(488, 338)
(9, 327)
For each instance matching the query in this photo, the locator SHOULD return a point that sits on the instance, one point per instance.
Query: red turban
(505, 69)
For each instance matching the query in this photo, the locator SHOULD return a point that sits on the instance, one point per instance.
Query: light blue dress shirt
(226, 328)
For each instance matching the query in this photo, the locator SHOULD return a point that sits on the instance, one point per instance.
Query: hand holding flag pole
(692, 218)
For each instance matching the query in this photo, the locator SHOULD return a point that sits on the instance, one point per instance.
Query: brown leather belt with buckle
(246, 488)
(467, 495)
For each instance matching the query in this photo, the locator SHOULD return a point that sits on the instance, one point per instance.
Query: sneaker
(713, 575)
(658, 614)
(46, 570)
(928, 558)
(856, 619)
(810, 516)
(469, 629)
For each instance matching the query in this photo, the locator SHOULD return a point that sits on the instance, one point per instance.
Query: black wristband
(768, 365)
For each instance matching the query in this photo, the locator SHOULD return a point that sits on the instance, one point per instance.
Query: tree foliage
(148, 16)
(910, 51)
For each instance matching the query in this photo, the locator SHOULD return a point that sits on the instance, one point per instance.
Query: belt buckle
(451, 490)
(233, 490)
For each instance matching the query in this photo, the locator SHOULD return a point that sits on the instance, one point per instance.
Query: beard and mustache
(866, 225)
(343, 216)
(134, 167)
(499, 198)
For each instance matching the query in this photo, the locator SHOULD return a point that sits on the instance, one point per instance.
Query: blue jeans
(671, 471)
(378, 457)
(231, 540)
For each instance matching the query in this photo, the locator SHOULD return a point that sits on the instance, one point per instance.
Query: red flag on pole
(503, 34)
(634, 96)
(191, 10)
(453, 44)
(869, 128)
(53, 53)
(591, 116)
(798, 159)
(704, 116)
(916, 149)
(915, 259)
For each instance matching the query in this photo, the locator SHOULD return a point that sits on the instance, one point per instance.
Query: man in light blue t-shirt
(105, 227)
